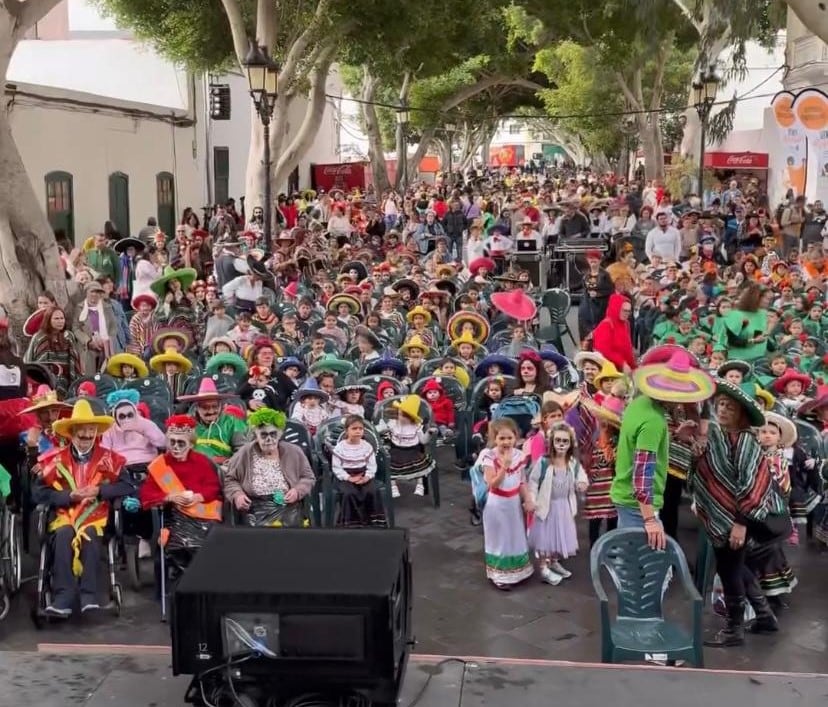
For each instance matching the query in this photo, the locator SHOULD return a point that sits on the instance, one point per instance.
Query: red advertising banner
(344, 175)
(736, 160)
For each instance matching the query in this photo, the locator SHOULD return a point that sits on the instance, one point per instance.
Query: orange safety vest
(163, 475)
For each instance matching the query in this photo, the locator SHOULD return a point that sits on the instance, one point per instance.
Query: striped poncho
(732, 483)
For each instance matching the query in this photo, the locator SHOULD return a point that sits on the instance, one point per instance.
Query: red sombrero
(789, 377)
(515, 304)
(475, 265)
(32, 325)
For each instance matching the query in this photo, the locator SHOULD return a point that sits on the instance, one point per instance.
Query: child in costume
(408, 457)
(442, 407)
(309, 410)
(354, 464)
(257, 392)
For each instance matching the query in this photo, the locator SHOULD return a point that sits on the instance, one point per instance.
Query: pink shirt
(139, 445)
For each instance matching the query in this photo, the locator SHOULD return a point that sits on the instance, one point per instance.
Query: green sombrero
(744, 395)
(217, 361)
(186, 276)
(332, 364)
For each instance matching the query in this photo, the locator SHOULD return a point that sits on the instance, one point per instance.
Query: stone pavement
(457, 612)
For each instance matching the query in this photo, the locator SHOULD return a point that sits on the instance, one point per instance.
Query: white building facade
(109, 130)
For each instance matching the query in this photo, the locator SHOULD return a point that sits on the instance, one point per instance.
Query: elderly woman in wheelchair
(185, 485)
(268, 479)
(77, 483)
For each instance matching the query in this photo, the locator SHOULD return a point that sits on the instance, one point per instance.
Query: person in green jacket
(103, 259)
(218, 434)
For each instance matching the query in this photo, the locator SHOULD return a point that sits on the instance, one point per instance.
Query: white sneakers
(555, 573)
(419, 489)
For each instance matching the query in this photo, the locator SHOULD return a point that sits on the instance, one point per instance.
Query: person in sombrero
(140, 324)
(642, 456)
(419, 325)
(46, 408)
(79, 481)
(469, 323)
(176, 305)
(738, 504)
(172, 368)
(245, 290)
(414, 351)
(126, 367)
(217, 434)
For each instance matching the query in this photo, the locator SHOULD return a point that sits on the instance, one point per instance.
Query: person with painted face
(79, 481)
(189, 483)
(268, 478)
(218, 434)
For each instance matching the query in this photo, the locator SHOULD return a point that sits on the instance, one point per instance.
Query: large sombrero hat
(170, 356)
(479, 263)
(216, 362)
(386, 361)
(419, 309)
(445, 271)
(592, 356)
(186, 276)
(734, 365)
(787, 429)
(82, 414)
(45, 398)
(206, 391)
(791, 376)
(744, 396)
(113, 366)
(292, 362)
(415, 342)
(211, 346)
(507, 365)
(663, 352)
(342, 298)
(407, 284)
(819, 402)
(515, 304)
(129, 242)
(258, 268)
(409, 406)
(142, 297)
(561, 362)
(608, 372)
(160, 336)
(480, 323)
(609, 410)
(330, 363)
(32, 325)
(675, 381)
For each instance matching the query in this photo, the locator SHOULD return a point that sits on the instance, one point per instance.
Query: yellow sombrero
(415, 342)
(170, 356)
(410, 406)
(113, 368)
(481, 325)
(466, 339)
(419, 309)
(767, 398)
(608, 371)
(82, 414)
(460, 375)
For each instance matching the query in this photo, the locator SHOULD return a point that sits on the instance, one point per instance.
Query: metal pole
(450, 145)
(268, 208)
(703, 120)
(404, 156)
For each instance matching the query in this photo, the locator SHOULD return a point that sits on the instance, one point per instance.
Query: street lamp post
(630, 129)
(262, 78)
(451, 128)
(402, 158)
(704, 96)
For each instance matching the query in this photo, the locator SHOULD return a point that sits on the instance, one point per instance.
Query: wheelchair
(137, 526)
(11, 552)
(44, 515)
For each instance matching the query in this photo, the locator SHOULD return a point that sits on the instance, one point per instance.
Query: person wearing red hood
(442, 407)
(612, 337)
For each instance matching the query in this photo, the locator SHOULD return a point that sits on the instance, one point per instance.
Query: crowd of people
(169, 378)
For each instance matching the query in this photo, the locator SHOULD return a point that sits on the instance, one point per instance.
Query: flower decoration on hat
(180, 424)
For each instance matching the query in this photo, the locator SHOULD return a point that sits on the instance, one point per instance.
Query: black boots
(765, 621)
(733, 633)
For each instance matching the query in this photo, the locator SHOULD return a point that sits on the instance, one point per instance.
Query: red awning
(736, 160)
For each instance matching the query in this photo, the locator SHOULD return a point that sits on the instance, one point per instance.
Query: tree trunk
(29, 258)
(812, 14)
(255, 175)
(426, 140)
(376, 154)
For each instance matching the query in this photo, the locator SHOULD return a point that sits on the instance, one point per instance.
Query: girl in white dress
(504, 531)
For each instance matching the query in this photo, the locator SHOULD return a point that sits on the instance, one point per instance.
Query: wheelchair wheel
(117, 599)
(139, 570)
(5, 604)
(11, 552)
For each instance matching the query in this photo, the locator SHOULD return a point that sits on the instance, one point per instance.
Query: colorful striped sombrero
(676, 381)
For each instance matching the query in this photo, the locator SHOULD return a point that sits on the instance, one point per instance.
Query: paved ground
(456, 612)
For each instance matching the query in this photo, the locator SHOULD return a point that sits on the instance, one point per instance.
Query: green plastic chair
(557, 303)
(639, 574)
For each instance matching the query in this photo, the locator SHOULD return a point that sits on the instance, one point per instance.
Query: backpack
(480, 489)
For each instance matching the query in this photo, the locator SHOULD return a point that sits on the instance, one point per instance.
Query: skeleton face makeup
(268, 437)
(179, 444)
(561, 442)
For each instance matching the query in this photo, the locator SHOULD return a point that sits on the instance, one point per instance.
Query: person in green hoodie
(744, 330)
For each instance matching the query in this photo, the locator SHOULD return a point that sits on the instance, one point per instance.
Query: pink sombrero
(515, 304)
(675, 381)
(664, 352)
(206, 391)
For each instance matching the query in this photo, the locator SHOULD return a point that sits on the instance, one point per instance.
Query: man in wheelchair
(189, 483)
(78, 482)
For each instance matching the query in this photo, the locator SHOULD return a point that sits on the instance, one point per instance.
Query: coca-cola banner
(344, 175)
(736, 160)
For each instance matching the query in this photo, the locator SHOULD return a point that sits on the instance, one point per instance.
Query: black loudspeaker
(297, 611)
